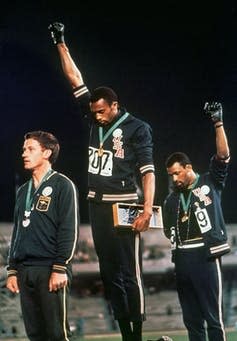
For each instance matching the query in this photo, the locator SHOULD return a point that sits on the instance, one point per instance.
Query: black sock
(137, 331)
(126, 329)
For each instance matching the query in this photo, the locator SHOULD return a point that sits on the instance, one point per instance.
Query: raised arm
(69, 67)
(215, 112)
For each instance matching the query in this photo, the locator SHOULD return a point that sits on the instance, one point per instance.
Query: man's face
(181, 175)
(33, 154)
(103, 112)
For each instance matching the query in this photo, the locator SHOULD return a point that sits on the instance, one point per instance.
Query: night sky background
(165, 59)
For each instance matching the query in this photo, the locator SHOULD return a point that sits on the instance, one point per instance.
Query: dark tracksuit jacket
(51, 237)
(42, 243)
(112, 178)
(211, 222)
(197, 246)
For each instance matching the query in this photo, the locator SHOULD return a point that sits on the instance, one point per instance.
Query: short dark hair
(180, 157)
(46, 140)
(104, 92)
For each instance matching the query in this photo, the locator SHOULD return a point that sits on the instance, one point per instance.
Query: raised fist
(57, 32)
(214, 111)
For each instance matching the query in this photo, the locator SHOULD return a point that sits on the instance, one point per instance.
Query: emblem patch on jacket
(118, 143)
(43, 203)
(201, 193)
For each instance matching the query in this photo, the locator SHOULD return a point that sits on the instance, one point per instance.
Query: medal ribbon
(185, 204)
(111, 129)
(29, 197)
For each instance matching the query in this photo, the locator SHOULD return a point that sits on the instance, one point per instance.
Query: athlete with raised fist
(194, 223)
(120, 145)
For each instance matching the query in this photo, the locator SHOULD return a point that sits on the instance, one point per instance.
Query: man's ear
(189, 166)
(47, 153)
(115, 104)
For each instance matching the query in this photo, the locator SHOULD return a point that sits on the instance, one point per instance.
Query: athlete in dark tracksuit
(45, 233)
(119, 146)
(194, 223)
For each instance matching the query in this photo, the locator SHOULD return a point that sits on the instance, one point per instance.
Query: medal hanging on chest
(185, 206)
(103, 137)
(26, 219)
(186, 203)
(27, 212)
(100, 150)
(26, 222)
(29, 199)
(184, 217)
(182, 225)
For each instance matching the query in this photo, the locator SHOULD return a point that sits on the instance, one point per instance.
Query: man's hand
(12, 284)
(57, 281)
(214, 111)
(57, 32)
(141, 222)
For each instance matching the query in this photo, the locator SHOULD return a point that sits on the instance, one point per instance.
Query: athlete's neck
(39, 173)
(193, 177)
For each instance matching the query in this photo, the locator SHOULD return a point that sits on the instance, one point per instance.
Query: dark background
(165, 59)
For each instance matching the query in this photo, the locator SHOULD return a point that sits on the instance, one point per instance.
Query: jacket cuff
(59, 268)
(11, 272)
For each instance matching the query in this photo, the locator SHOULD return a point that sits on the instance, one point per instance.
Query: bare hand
(141, 222)
(12, 284)
(57, 281)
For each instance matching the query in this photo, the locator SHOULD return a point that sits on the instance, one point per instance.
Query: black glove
(214, 110)
(57, 32)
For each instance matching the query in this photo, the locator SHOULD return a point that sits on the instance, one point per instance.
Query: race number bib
(102, 165)
(172, 238)
(203, 220)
